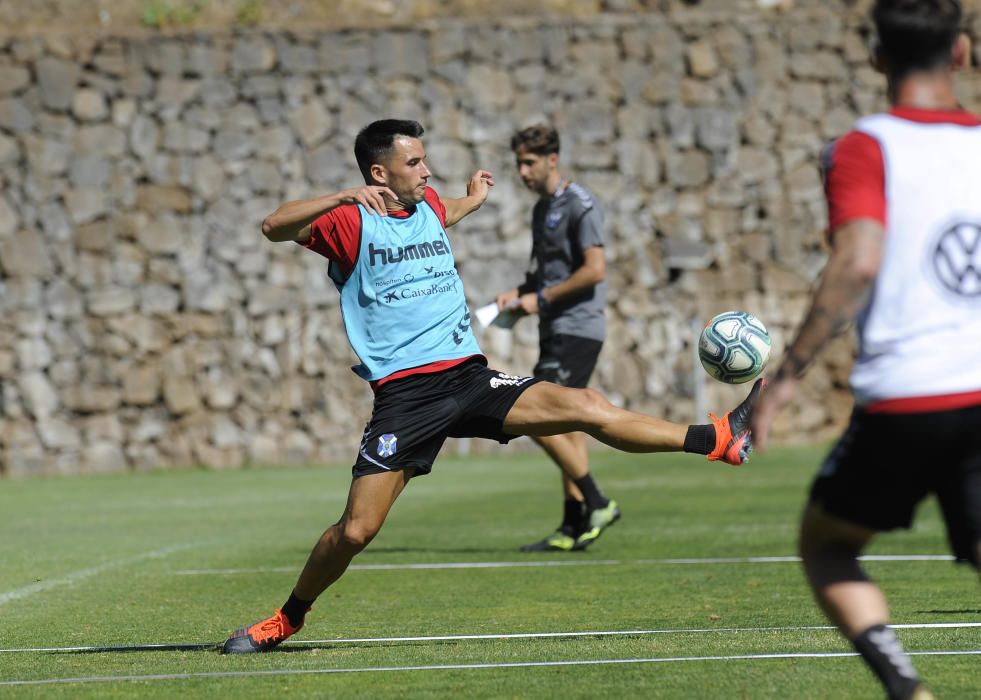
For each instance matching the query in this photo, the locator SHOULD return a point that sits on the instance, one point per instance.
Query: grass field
(183, 558)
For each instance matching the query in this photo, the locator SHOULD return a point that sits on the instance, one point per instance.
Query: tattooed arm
(844, 289)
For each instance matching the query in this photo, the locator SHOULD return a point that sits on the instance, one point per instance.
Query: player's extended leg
(549, 409)
(586, 510)
(369, 501)
(829, 548)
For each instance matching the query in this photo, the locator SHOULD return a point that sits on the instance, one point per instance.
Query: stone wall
(144, 321)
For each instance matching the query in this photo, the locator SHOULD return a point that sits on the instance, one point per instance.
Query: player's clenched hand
(480, 184)
(768, 404)
(371, 197)
(506, 299)
(529, 302)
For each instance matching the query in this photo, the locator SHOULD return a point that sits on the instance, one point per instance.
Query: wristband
(542, 301)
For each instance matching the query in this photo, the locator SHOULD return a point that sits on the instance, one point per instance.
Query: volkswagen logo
(956, 259)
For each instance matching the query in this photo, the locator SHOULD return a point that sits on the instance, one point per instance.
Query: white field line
(563, 562)
(74, 577)
(456, 667)
(520, 635)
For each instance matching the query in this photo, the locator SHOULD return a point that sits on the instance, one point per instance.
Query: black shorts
(413, 416)
(567, 360)
(885, 464)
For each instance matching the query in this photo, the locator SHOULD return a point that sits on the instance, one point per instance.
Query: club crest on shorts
(503, 379)
(387, 445)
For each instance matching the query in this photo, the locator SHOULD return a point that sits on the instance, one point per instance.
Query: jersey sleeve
(337, 236)
(433, 200)
(854, 180)
(589, 229)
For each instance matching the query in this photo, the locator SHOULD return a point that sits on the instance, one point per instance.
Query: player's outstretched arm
(477, 189)
(291, 221)
(844, 289)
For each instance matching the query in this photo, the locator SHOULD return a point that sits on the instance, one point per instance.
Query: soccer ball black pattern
(734, 347)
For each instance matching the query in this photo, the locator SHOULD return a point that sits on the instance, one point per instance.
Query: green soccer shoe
(599, 520)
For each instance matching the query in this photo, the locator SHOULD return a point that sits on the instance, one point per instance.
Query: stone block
(162, 236)
(180, 395)
(144, 136)
(688, 168)
(33, 353)
(252, 54)
(58, 434)
(85, 204)
(181, 138)
(24, 254)
(90, 170)
(107, 140)
(108, 301)
(142, 385)
(702, 60)
(233, 144)
(91, 398)
(39, 396)
(57, 81)
(103, 458)
(163, 198)
(217, 458)
(9, 220)
(683, 254)
(47, 155)
(9, 150)
(13, 79)
(15, 115)
(311, 123)
(89, 105)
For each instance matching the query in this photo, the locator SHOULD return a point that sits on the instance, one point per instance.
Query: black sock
(296, 609)
(884, 654)
(591, 494)
(700, 439)
(573, 517)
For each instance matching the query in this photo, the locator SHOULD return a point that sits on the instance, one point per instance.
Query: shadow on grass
(126, 649)
(215, 647)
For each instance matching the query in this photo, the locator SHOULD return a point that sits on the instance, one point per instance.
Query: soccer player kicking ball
(905, 220)
(406, 318)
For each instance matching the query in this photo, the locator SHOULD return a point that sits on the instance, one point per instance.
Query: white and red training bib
(918, 172)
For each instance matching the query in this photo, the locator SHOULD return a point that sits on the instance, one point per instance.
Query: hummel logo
(415, 251)
(391, 296)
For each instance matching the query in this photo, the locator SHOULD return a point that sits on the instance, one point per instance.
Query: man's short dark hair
(916, 35)
(375, 141)
(540, 139)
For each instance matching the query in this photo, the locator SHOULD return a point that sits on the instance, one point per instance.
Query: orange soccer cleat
(261, 636)
(733, 441)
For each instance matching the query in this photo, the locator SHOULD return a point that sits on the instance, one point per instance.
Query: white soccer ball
(734, 347)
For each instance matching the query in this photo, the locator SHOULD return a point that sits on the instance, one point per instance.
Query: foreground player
(565, 287)
(905, 220)
(406, 318)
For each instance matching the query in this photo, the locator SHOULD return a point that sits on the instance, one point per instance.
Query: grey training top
(562, 227)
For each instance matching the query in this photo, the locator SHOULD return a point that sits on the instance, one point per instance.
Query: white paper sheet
(489, 315)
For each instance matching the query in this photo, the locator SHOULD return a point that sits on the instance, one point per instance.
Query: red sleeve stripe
(337, 236)
(855, 180)
(433, 200)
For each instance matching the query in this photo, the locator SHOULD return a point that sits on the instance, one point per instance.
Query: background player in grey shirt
(564, 286)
